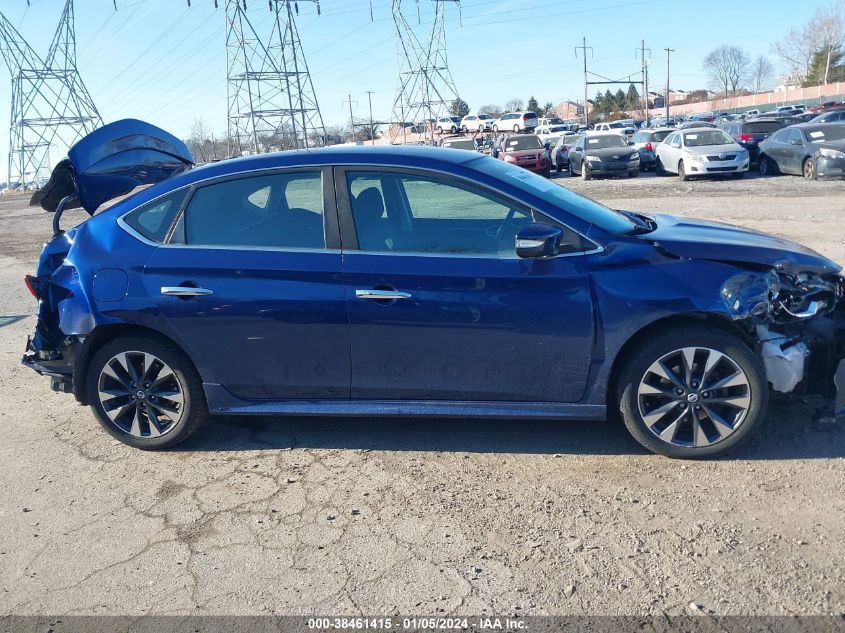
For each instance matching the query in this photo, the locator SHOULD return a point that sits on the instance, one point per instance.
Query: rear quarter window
(153, 219)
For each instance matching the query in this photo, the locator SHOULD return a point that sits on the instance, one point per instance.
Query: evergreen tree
(818, 65)
(632, 99)
(459, 108)
(534, 106)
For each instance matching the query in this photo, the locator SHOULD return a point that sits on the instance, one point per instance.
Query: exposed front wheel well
(100, 337)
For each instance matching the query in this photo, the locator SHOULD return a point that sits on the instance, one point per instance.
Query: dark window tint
(761, 127)
(657, 137)
(276, 211)
(154, 218)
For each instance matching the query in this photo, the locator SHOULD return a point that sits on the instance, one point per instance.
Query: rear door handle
(382, 295)
(185, 291)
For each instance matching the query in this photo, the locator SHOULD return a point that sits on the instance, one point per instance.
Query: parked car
(477, 123)
(526, 151)
(788, 109)
(706, 117)
(810, 150)
(615, 127)
(460, 142)
(688, 124)
(555, 120)
(750, 113)
(751, 132)
(418, 281)
(560, 151)
(447, 124)
(805, 117)
(701, 152)
(645, 142)
(603, 155)
(830, 116)
(546, 132)
(825, 106)
(516, 122)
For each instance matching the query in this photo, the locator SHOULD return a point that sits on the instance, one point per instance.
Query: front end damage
(798, 320)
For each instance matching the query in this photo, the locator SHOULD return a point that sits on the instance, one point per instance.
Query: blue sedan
(369, 281)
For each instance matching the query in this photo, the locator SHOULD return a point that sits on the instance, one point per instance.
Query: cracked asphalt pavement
(428, 517)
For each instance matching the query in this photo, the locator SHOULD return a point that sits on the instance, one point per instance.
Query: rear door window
(153, 219)
(271, 211)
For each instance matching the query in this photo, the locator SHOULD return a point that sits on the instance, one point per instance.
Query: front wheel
(516, 128)
(809, 170)
(495, 129)
(585, 171)
(145, 392)
(692, 391)
(682, 173)
(658, 168)
(766, 166)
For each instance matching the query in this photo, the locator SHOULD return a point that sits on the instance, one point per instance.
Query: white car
(752, 112)
(516, 122)
(701, 152)
(477, 123)
(448, 124)
(616, 127)
(547, 132)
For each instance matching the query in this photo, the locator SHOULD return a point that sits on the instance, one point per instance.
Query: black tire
(766, 166)
(571, 170)
(739, 175)
(658, 168)
(516, 129)
(495, 129)
(558, 168)
(633, 173)
(655, 346)
(585, 171)
(547, 173)
(194, 409)
(682, 173)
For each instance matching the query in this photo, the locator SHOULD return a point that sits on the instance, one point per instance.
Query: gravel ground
(300, 516)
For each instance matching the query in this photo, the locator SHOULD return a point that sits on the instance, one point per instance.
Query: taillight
(745, 138)
(649, 147)
(27, 280)
(563, 150)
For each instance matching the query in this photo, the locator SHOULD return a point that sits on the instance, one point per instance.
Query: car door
(440, 307)
(794, 152)
(576, 156)
(250, 283)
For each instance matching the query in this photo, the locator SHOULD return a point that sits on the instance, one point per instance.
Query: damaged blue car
(411, 281)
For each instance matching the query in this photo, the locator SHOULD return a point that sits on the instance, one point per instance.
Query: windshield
(703, 138)
(658, 137)
(826, 133)
(557, 128)
(556, 195)
(485, 117)
(761, 127)
(604, 142)
(460, 144)
(517, 143)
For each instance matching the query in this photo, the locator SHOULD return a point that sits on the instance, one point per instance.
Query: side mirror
(630, 142)
(538, 240)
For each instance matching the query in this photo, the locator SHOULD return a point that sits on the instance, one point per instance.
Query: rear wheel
(691, 392)
(146, 392)
(809, 169)
(682, 174)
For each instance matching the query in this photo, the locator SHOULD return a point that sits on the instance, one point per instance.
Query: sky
(165, 63)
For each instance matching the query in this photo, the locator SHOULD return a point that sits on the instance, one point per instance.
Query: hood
(837, 145)
(700, 239)
(609, 152)
(715, 149)
(112, 161)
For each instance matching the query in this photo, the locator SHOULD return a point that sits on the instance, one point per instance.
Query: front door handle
(185, 291)
(382, 295)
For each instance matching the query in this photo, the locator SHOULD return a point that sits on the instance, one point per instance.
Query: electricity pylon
(272, 104)
(426, 89)
(51, 107)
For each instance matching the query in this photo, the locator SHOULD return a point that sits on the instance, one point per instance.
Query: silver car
(701, 152)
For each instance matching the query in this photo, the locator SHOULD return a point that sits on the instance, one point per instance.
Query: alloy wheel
(809, 169)
(694, 397)
(141, 394)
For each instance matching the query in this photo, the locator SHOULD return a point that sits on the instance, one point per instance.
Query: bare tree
(515, 105)
(762, 72)
(199, 139)
(728, 68)
(494, 111)
(824, 32)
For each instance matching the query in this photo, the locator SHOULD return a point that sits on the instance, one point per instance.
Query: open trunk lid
(111, 161)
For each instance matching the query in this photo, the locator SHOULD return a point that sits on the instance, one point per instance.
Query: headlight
(509, 158)
(593, 159)
(634, 158)
(831, 153)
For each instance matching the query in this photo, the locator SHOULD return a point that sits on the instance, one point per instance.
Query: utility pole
(643, 50)
(669, 51)
(583, 48)
(372, 131)
(351, 119)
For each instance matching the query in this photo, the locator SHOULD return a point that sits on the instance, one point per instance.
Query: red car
(524, 150)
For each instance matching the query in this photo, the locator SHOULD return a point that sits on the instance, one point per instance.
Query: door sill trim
(223, 402)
